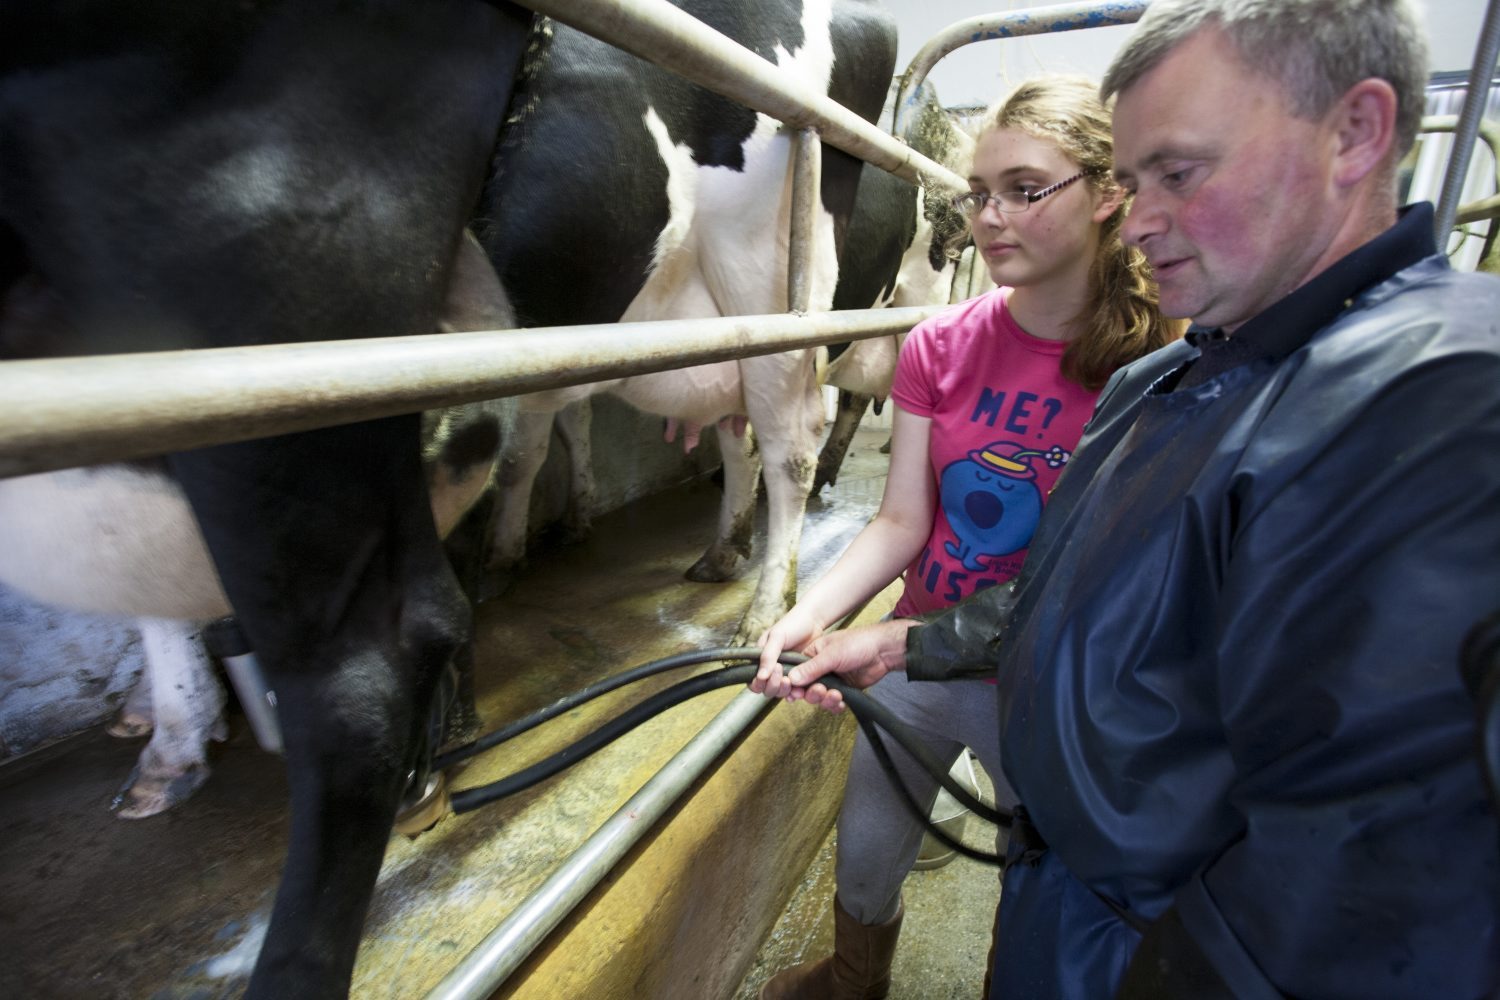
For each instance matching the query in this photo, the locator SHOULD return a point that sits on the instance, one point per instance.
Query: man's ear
(1364, 122)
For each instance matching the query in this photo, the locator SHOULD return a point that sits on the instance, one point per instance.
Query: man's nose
(1145, 219)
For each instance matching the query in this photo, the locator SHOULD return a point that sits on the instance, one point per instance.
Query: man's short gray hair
(1316, 49)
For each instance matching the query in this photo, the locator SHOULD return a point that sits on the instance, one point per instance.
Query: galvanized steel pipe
(62, 412)
(485, 968)
(1016, 23)
(1475, 99)
(807, 178)
(1488, 131)
(673, 39)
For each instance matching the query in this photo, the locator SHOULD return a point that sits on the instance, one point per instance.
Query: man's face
(1233, 196)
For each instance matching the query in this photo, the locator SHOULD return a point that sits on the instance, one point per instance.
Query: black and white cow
(626, 193)
(210, 174)
(217, 174)
(901, 252)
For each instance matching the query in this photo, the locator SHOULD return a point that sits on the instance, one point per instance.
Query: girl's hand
(794, 631)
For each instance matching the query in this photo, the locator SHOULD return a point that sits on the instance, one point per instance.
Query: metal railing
(1480, 72)
(1011, 24)
(79, 411)
(217, 396)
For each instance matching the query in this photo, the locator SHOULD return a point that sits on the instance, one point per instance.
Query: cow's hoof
(128, 725)
(714, 567)
(576, 527)
(424, 814)
(750, 632)
(149, 795)
(827, 474)
(496, 580)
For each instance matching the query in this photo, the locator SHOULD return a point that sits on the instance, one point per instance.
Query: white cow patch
(109, 539)
(723, 251)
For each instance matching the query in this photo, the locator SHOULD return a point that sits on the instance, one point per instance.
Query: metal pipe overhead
(485, 968)
(1014, 24)
(656, 31)
(62, 412)
(1475, 99)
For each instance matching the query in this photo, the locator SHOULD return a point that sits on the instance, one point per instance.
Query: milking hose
(868, 712)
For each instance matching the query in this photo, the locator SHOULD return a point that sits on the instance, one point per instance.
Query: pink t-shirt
(1004, 423)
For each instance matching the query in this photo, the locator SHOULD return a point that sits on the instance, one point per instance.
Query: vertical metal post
(807, 179)
(1475, 99)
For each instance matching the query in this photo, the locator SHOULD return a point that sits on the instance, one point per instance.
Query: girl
(991, 398)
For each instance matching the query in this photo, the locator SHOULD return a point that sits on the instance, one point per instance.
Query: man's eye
(1176, 178)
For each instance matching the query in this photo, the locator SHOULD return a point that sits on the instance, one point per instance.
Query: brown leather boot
(858, 969)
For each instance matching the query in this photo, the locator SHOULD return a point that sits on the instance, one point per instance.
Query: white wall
(980, 73)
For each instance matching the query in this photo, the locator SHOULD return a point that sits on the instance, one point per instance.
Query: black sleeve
(961, 642)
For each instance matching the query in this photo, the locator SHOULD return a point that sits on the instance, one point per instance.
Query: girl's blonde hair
(1122, 320)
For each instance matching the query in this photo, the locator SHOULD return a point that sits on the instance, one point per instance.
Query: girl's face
(1052, 243)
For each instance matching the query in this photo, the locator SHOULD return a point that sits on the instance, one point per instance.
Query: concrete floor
(170, 908)
(945, 936)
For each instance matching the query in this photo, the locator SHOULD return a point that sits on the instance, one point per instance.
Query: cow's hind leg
(736, 512)
(134, 718)
(573, 426)
(328, 552)
(851, 410)
(788, 421)
(187, 705)
(522, 453)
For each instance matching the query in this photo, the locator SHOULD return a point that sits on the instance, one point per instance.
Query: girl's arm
(878, 554)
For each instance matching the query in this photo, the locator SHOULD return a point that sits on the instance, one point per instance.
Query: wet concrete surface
(171, 907)
(945, 935)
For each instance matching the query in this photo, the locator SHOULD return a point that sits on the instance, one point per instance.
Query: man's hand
(859, 656)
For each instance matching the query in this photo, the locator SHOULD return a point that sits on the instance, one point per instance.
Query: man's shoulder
(1425, 307)
(1132, 380)
(1432, 289)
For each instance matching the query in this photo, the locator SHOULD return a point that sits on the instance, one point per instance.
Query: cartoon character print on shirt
(991, 500)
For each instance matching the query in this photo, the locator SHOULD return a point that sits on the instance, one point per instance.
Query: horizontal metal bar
(1478, 211)
(1489, 131)
(673, 39)
(63, 412)
(1014, 24)
(502, 951)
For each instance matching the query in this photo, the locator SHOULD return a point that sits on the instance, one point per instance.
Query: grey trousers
(878, 838)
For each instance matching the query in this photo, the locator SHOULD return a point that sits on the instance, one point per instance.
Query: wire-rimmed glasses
(972, 203)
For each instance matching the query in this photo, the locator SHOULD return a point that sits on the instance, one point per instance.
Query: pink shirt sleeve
(914, 388)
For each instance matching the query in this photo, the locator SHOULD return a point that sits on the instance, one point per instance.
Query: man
(1230, 695)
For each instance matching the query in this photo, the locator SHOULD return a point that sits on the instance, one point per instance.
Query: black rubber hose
(863, 707)
(582, 696)
(952, 843)
(472, 798)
